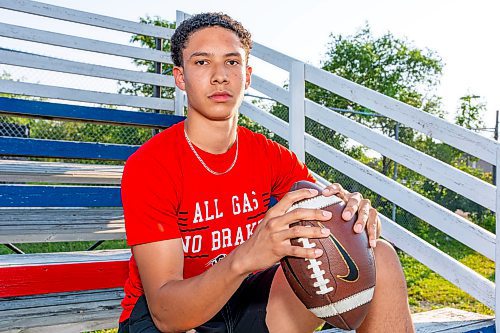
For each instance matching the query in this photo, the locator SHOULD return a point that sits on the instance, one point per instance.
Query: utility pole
(496, 139)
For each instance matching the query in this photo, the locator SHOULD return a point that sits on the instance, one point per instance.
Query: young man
(196, 197)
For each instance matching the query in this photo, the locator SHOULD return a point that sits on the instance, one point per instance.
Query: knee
(385, 250)
(387, 263)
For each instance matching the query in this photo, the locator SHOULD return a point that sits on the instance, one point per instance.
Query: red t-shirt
(167, 193)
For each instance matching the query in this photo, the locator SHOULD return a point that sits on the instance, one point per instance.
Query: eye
(201, 62)
(233, 62)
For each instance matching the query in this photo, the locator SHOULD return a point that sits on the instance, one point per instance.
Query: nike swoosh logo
(352, 269)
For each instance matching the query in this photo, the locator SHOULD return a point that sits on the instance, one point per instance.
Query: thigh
(140, 321)
(285, 312)
(246, 311)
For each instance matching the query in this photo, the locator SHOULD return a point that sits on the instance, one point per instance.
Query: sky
(464, 34)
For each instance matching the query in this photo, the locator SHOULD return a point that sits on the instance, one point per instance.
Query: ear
(248, 77)
(178, 73)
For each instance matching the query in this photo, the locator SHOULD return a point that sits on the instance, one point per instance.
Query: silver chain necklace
(203, 162)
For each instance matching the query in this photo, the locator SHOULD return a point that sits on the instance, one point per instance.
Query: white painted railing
(457, 227)
(456, 180)
(56, 64)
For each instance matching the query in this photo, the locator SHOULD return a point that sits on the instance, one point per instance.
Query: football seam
(346, 304)
(317, 202)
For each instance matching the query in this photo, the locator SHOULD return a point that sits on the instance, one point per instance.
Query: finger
(304, 214)
(303, 252)
(352, 206)
(373, 221)
(289, 199)
(300, 231)
(337, 189)
(363, 216)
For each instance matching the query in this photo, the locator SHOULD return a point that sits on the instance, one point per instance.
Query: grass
(428, 290)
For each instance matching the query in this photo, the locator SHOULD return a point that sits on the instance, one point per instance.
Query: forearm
(180, 305)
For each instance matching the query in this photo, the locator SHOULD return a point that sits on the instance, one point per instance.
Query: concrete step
(446, 320)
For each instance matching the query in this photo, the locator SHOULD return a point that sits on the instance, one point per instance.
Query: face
(214, 73)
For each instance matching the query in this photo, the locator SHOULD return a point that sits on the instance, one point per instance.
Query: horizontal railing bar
(268, 120)
(433, 126)
(273, 57)
(64, 149)
(63, 216)
(455, 226)
(80, 43)
(71, 94)
(15, 58)
(37, 235)
(456, 180)
(59, 196)
(63, 258)
(96, 20)
(22, 171)
(270, 89)
(452, 270)
(60, 111)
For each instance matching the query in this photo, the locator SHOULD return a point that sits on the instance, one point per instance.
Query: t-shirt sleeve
(286, 169)
(150, 201)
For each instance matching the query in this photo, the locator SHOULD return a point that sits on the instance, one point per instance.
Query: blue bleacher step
(446, 320)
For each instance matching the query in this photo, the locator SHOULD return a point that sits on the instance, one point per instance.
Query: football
(339, 285)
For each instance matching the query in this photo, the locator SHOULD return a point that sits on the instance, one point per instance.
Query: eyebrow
(207, 54)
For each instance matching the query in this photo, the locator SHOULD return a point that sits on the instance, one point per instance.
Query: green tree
(470, 112)
(387, 64)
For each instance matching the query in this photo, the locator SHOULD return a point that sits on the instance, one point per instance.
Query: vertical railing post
(296, 120)
(497, 246)
(496, 139)
(158, 70)
(395, 174)
(179, 94)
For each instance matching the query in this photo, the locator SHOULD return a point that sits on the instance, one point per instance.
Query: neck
(215, 137)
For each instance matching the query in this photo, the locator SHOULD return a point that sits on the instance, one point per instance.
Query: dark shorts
(245, 312)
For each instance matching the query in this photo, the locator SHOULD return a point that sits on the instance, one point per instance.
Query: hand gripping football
(338, 286)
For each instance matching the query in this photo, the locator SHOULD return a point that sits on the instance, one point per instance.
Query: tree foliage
(395, 68)
(470, 112)
(141, 89)
(386, 64)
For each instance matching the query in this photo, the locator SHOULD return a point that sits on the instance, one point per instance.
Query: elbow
(163, 326)
(167, 326)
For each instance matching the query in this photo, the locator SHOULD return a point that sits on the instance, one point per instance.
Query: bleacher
(68, 191)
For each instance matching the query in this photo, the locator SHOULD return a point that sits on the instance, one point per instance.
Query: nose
(219, 75)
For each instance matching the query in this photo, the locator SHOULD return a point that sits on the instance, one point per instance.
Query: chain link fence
(14, 126)
(73, 131)
(113, 134)
(406, 177)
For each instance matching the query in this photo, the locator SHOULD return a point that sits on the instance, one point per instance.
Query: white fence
(456, 180)
(462, 183)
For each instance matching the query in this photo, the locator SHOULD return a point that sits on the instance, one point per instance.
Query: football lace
(318, 273)
(317, 202)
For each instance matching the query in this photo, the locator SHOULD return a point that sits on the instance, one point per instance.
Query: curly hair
(204, 20)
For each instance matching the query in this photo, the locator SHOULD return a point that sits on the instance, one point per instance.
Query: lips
(220, 96)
